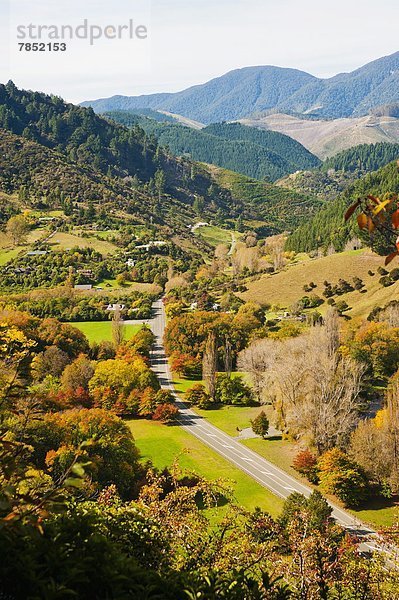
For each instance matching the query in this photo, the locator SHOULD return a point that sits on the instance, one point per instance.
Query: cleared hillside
(286, 287)
(324, 138)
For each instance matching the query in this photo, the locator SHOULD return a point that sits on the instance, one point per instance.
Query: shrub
(386, 281)
(233, 390)
(394, 274)
(166, 413)
(306, 463)
(358, 283)
(342, 306)
(198, 396)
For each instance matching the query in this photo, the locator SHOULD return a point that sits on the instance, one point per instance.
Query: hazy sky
(191, 41)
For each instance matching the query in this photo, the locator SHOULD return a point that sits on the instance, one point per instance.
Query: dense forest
(252, 152)
(363, 159)
(328, 227)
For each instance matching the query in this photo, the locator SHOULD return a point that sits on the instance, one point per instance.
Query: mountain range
(264, 89)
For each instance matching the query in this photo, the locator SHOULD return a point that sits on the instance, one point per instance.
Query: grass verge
(164, 445)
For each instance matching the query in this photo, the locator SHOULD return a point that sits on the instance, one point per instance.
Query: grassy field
(286, 287)
(62, 241)
(228, 418)
(112, 285)
(214, 235)
(182, 384)
(163, 445)
(7, 249)
(100, 331)
(6, 255)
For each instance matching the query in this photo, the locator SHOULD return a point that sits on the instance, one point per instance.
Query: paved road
(264, 472)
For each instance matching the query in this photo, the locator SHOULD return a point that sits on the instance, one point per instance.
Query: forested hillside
(328, 226)
(363, 158)
(280, 209)
(56, 154)
(243, 92)
(252, 152)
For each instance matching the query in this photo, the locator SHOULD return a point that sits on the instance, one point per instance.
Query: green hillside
(247, 150)
(363, 159)
(328, 226)
(280, 209)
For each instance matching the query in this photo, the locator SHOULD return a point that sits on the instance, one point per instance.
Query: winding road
(271, 477)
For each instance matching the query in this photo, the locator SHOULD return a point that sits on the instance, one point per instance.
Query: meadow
(101, 331)
(286, 287)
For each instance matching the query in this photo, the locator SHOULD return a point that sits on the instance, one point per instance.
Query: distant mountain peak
(254, 89)
(248, 90)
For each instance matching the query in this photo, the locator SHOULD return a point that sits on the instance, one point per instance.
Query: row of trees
(320, 386)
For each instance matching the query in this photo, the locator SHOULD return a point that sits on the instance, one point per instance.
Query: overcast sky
(192, 41)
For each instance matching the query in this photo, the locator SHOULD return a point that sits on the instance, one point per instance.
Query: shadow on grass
(221, 500)
(379, 503)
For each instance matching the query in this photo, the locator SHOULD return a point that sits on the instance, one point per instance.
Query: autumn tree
(377, 345)
(71, 340)
(166, 413)
(198, 396)
(111, 454)
(343, 477)
(315, 390)
(118, 328)
(142, 341)
(77, 374)
(114, 381)
(18, 228)
(186, 365)
(50, 362)
(374, 444)
(15, 351)
(209, 365)
(305, 462)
